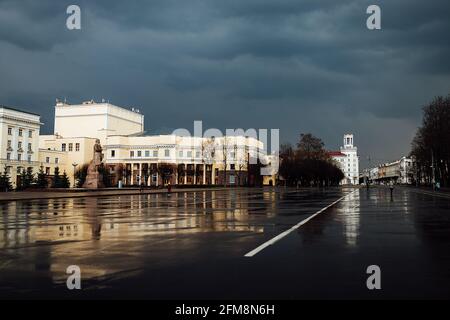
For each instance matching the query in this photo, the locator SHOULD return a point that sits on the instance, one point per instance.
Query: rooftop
(18, 110)
(336, 154)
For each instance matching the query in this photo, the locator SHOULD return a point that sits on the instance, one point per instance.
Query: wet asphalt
(192, 245)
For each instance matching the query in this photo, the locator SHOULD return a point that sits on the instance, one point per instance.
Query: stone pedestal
(94, 179)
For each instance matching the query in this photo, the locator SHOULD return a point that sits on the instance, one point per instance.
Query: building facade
(134, 158)
(163, 159)
(129, 156)
(400, 171)
(347, 160)
(96, 120)
(18, 142)
(68, 154)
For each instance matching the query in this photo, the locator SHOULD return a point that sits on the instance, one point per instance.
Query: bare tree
(226, 144)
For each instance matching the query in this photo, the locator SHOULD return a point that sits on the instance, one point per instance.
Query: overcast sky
(300, 66)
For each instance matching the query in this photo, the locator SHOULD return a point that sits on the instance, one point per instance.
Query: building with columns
(347, 160)
(162, 159)
(134, 158)
(129, 155)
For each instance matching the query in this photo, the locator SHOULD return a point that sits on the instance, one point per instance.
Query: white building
(134, 158)
(96, 120)
(192, 160)
(399, 171)
(19, 141)
(347, 160)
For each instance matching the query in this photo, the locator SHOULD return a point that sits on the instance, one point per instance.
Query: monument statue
(94, 179)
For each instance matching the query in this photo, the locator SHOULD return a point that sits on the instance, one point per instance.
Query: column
(204, 174)
(132, 173)
(139, 181)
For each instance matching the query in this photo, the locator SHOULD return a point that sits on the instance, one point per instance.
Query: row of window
(19, 157)
(70, 145)
(47, 160)
(146, 154)
(10, 132)
(19, 145)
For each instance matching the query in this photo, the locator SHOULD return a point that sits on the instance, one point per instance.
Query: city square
(224, 159)
(192, 245)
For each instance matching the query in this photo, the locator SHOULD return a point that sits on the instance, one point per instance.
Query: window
(56, 160)
(189, 154)
(29, 158)
(19, 144)
(30, 133)
(19, 157)
(139, 153)
(232, 166)
(70, 147)
(29, 147)
(131, 154)
(47, 171)
(63, 147)
(180, 154)
(77, 147)
(9, 143)
(197, 154)
(113, 153)
(47, 159)
(8, 156)
(9, 131)
(20, 132)
(147, 153)
(167, 153)
(155, 153)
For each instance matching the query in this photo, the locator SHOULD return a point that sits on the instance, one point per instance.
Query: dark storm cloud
(296, 65)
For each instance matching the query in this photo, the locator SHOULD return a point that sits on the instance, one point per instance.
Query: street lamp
(74, 166)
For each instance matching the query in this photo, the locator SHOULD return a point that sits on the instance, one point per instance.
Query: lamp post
(74, 166)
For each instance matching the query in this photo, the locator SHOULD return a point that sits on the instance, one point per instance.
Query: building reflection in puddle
(26, 223)
(46, 235)
(350, 217)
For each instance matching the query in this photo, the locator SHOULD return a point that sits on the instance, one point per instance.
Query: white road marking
(298, 225)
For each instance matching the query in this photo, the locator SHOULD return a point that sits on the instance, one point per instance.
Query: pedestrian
(391, 187)
(169, 188)
(438, 186)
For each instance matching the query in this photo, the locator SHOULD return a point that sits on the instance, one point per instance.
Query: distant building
(348, 161)
(18, 141)
(399, 171)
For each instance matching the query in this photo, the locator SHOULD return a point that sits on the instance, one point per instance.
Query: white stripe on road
(298, 225)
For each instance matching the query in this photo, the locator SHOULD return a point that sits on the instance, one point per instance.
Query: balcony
(15, 162)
